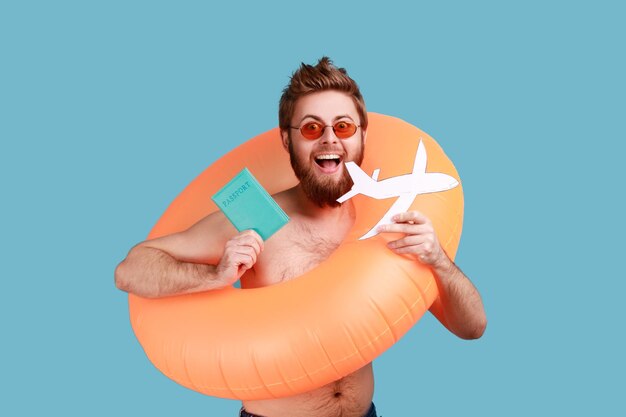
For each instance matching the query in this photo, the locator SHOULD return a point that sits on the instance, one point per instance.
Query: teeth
(330, 156)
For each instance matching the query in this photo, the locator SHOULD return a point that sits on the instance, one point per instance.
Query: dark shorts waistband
(370, 413)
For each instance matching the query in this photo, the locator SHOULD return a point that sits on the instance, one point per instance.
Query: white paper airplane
(405, 187)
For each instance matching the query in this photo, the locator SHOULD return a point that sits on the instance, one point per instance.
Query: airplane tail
(359, 177)
(347, 196)
(361, 181)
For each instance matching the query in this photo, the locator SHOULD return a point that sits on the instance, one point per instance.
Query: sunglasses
(315, 130)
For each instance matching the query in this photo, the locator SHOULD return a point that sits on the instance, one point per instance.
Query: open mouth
(328, 162)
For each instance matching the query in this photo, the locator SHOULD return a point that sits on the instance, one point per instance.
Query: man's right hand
(204, 257)
(240, 254)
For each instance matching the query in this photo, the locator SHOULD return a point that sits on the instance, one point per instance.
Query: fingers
(407, 228)
(412, 217)
(240, 254)
(424, 248)
(247, 238)
(245, 260)
(417, 245)
(407, 241)
(420, 239)
(246, 246)
(410, 222)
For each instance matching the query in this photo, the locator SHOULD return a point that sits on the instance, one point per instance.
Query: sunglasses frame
(356, 127)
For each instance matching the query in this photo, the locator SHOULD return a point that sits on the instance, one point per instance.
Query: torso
(297, 248)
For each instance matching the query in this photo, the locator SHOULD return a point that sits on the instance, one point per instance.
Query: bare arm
(459, 306)
(209, 255)
(151, 272)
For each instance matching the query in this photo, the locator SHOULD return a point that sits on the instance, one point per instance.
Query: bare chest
(293, 251)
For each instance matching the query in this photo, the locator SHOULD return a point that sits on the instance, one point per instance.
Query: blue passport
(248, 206)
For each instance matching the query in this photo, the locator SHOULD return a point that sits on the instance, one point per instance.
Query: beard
(323, 190)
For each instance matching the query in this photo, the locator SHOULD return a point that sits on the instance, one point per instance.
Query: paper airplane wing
(401, 205)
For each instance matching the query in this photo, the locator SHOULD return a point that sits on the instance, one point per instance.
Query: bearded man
(323, 124)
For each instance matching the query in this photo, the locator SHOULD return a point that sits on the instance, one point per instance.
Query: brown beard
(323, 191)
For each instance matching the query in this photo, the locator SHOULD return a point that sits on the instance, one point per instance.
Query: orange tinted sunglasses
(315, 130)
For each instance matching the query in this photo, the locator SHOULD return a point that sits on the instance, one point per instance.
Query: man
(323, 124)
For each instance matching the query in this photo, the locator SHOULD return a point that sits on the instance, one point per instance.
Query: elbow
(476, 330)
(121, 277)
(127, 279)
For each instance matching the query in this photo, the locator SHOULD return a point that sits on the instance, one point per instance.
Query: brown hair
(310, 79)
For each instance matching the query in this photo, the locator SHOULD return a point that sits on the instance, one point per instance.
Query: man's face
(319, 163)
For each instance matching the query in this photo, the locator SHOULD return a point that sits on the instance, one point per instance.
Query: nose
(328, 136)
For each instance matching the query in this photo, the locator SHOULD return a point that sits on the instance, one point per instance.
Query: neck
(310, 209)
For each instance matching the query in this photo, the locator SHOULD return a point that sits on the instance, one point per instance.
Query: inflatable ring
(298, 335)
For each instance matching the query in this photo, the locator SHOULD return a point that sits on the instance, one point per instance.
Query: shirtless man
(320, 103)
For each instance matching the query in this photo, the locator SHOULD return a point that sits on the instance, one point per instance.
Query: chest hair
(304, 250)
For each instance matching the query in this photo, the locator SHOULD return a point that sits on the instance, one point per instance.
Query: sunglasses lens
(312, 130)
(344, 130)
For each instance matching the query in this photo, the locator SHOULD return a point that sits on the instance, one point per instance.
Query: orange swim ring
(301, 334)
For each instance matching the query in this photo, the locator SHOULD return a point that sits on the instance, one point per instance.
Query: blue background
(107, 110)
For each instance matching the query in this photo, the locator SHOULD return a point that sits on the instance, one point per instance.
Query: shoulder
(287, 200)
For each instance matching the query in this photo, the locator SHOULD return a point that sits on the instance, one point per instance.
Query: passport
(249, 206)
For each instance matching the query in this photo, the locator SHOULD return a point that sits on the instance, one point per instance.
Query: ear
(284, 136)
(364, 135)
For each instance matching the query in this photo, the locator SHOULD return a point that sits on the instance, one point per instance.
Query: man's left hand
(420, 241)
(459, 306)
